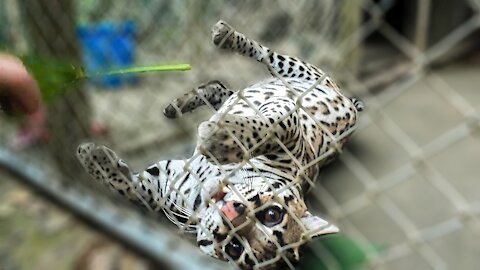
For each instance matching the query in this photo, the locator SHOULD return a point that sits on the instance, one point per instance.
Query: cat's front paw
(103, 164)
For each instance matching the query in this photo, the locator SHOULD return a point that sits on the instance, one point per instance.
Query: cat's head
(254, 224)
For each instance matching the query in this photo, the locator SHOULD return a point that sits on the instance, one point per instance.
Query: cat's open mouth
(220, 194)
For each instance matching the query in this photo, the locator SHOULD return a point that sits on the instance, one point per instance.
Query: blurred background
(405, 192)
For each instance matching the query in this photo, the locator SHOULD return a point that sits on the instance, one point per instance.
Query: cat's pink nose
(233, 209)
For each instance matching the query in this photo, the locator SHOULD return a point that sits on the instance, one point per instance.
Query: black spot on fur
(154, 171)
(249, 261)
(279, 236)
(204, 242)
(197, 202)
(256, 200)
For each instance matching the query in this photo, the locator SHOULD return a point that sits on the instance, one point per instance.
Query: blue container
(108, 46)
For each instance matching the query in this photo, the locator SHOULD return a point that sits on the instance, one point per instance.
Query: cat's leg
(168, 185)
(230, 138)
(226, 37)
(103, 165)
(213, 92)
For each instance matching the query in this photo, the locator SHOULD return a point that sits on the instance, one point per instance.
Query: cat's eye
(271, 216)
(234, 249)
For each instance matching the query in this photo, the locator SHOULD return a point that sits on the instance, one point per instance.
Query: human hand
(18, 90)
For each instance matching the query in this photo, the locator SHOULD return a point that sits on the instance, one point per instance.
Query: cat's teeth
(225, 189)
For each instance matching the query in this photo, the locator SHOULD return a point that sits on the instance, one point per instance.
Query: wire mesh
(404, 188)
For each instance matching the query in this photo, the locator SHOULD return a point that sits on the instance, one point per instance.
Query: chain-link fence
(403, 191)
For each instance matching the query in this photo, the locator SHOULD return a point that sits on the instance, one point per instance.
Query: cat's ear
(317, 226)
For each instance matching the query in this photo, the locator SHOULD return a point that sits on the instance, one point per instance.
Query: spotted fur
(265, 145)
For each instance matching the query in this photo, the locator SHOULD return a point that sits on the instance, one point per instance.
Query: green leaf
(131, 70)
(54, 76)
